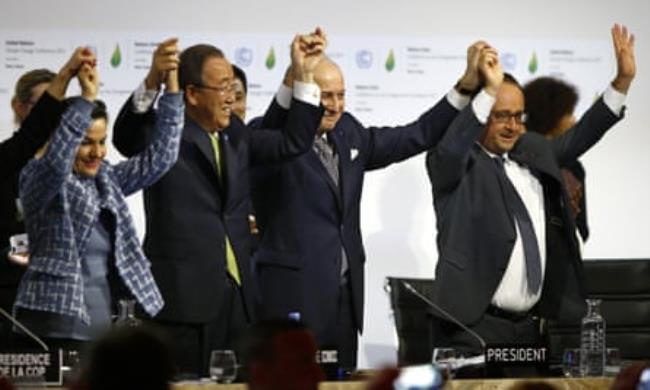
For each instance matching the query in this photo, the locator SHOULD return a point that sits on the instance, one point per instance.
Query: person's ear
(191, 95)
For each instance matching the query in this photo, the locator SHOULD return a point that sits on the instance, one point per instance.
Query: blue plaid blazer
(61, 208)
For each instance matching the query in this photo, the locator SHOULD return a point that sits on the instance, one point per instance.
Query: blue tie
(526, 228)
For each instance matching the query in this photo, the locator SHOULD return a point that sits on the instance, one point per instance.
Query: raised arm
(43, 118)
(136, 119)
(43, 177)
(447, 162)
(160, 155)
(388, 145)
(608, 109)
(303, 117)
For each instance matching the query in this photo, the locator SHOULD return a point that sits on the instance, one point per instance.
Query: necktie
(331, 162)
(327, 157)
(231, 260)
(526, 229)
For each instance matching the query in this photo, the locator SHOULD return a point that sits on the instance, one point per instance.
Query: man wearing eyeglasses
(507, 248)
(198, 236)
(311, 258)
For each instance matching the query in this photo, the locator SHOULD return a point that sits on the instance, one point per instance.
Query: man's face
(22, 109)
(212, 102)
(505, 123)
(294, 364)
(332, 96)
(239, 106)
(92, 150)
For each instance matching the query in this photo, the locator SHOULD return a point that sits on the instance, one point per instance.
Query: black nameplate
(502, 358)
(32, 367)
(329, 362)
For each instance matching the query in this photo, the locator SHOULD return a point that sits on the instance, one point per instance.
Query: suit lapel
(531, 151)
(229, 165)
(313, 160)
(230, 168)
(194, 134)
(343, 152)
(488, 161)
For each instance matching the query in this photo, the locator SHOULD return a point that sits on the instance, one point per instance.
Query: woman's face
(92, 150)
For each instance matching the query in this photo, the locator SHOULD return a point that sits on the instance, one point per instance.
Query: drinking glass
(223, 366)
(445, 358)
(612, 361)
(571, 363)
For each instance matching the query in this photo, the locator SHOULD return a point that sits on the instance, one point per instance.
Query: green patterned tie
(231, 260)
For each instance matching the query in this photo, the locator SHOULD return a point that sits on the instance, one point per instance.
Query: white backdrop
(570, 39)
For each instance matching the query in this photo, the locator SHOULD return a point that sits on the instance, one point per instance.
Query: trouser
(193, 343)
(348, 339)
(495, 327)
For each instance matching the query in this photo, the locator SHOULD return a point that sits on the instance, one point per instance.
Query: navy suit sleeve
(387, 145)
(275, 116)
(32, 134)
(295, 138)
(585, 133)
(447, 162)
(132, 130)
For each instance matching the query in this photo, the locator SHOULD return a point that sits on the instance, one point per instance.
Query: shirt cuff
(457, 99)
(614, 100)
(283, 97)
(482, 105)
(306, 92)
(143, 98)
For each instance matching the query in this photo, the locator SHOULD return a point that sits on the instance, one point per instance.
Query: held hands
(88, 81)
(490, 69)
(81, 55)
(625, 63)
(306, 53)
(164, 66)
(471, 80)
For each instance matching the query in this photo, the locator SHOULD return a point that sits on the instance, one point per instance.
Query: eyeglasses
(503, 117)
(221, 90)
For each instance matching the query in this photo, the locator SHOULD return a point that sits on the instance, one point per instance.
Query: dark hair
(508, 78)
(98, 112)
(190, 71)
(129, 358)
(547, 101)
(26, 82)
(241, 75)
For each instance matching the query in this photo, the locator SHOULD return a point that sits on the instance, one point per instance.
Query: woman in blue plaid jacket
(84, 250)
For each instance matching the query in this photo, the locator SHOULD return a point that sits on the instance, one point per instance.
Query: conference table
(464, 384)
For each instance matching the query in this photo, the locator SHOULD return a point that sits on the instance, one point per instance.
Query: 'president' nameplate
(32, 367)
(498, 357)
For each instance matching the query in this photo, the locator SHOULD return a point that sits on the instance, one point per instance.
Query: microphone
(445, 313)
(24, 329)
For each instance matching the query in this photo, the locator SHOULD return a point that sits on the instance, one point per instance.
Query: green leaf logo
(533, 64)
(390, 61)
(116, 57)
(270, 59)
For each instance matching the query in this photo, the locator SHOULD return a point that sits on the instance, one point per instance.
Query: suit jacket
(578, 171)
(61, 209)
(305, 220)
(476, 231)
(14, 154)
(188, 212)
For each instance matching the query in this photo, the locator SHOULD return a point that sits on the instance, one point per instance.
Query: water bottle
(592, 341)
(126, 313)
